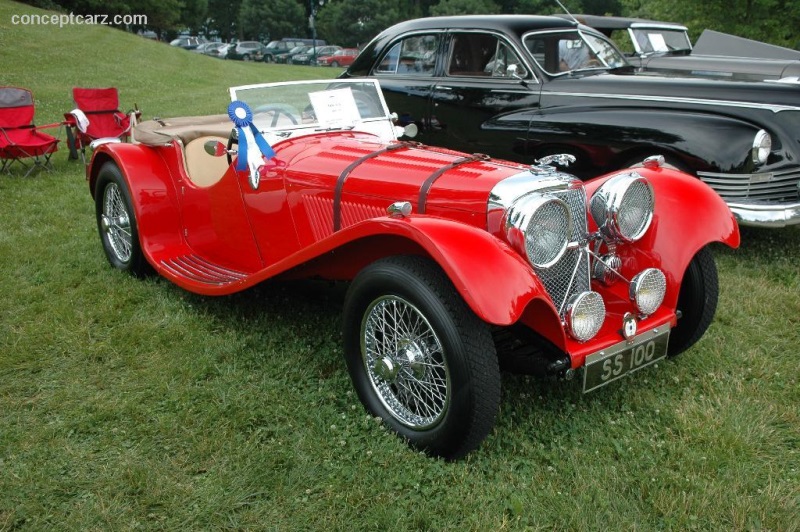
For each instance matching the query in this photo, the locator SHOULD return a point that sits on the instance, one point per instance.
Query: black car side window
(481, 54)
(413, 56)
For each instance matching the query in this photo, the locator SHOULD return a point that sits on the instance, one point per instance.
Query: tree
(223, 16)
(356, 22)
(464, 7)
(271, 19)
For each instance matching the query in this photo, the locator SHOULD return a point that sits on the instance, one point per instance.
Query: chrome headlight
(585, 315)
(762, 146)
(623, 207)
(647, 290)
(539, 226)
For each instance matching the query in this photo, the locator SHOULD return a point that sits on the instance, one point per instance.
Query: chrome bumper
(762, 215)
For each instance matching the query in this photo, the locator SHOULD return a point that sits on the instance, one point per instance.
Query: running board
(198, 270)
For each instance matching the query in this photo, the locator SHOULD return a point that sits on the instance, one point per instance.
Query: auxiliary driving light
(585, 315)
(647, 290)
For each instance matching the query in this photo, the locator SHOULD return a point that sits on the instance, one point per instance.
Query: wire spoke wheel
(405, 362)
(116, 223)
(419, 358)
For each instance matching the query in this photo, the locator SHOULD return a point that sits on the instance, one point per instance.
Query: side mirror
(215, 148)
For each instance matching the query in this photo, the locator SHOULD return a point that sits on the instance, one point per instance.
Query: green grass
(133, 404)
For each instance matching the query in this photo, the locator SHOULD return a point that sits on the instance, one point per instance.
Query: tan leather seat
(204, 170)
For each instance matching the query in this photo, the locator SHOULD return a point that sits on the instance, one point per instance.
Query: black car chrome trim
(426, 186)
(337, 194)
(678, 99)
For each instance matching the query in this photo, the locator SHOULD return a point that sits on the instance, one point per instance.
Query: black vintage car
(523, 87)
(664, 47)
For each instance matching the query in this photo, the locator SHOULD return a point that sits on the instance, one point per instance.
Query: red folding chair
(96, 119)
(21, 141)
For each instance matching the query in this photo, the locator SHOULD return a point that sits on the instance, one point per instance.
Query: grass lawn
(132, 404)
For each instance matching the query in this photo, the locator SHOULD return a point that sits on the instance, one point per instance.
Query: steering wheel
(277, 111)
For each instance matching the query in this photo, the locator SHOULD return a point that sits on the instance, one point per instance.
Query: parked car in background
(286, 57)
(284, 45)
(665, 48)
(340, 58)
(246, 51)
(310, 56)
(446, 251)
(216, 49)
(188, 42)
(524, 87)
(206, 46)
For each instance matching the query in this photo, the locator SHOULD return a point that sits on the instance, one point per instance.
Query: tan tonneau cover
(186, 128)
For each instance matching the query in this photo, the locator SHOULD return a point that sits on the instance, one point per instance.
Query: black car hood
(654, 87)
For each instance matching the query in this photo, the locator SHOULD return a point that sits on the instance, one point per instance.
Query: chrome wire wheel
(116, 223)
(405, 362)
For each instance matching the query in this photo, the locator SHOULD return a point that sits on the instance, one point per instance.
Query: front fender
(611, 138)
(154, 198)
(494, 280)
(688, 216)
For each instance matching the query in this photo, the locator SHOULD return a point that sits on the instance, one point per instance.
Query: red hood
(366, 172)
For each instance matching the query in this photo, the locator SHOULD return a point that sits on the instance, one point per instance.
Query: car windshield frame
(296, 108)
(599, 53)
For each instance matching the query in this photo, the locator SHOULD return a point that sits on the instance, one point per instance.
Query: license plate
(625, 357)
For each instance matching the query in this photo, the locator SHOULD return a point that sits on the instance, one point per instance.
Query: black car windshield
(565, 52)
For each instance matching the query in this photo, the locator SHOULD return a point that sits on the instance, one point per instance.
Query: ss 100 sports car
(447, 253)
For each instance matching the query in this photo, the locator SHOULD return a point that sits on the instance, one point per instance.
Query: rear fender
(151, 187)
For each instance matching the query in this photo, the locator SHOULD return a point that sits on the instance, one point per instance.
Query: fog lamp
(585, 315)
(647, 290)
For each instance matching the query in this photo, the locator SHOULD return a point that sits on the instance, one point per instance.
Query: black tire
(268, 59)
(335, 64)
(116, 222)
(246, 57)
(697, 302)
(444, 353)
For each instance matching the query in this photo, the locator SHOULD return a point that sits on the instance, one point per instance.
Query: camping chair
(19, 138)
(96, 120)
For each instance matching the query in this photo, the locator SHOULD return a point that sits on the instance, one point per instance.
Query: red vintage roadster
(449, 254)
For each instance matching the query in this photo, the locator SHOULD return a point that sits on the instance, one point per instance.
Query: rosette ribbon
(253, 147)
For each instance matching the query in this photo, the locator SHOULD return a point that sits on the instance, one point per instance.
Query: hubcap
(115, 223)
(405, 362)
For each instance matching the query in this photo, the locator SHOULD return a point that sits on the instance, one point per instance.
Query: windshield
(305, 107)
(565, 52)
(660, 40)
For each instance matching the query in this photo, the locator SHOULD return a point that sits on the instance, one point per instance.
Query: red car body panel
(228, 237)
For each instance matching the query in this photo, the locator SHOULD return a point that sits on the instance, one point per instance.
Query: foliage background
(355, 22)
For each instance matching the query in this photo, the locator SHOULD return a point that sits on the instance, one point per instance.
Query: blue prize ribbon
(247, 122)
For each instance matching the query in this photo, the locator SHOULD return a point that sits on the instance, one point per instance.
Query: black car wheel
(335, 64)
(419, 358)
(246, 57)
(116, 222)
(697, 302)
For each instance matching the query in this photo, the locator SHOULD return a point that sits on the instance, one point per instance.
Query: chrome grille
(570, 275)
(779, 186)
